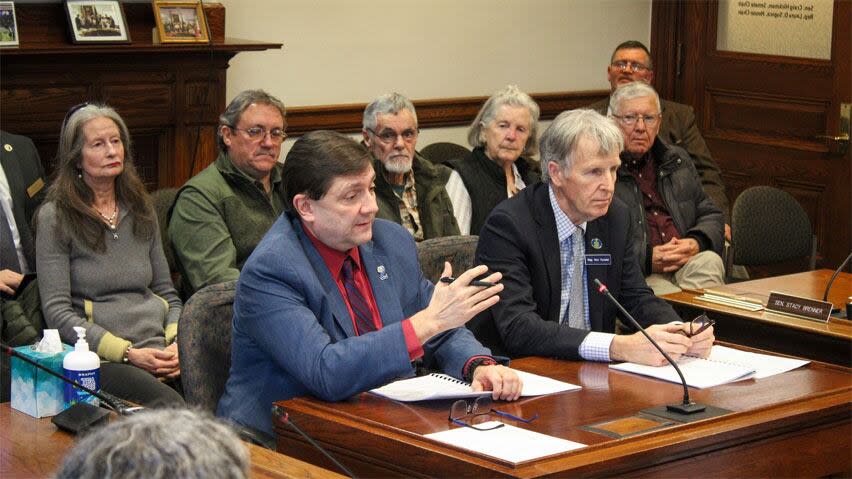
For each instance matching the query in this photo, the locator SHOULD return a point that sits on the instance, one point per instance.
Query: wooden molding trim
(434, 113)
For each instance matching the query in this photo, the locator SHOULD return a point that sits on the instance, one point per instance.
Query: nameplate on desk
(800, 307)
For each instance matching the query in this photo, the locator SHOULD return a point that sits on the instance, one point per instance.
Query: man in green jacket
(410, 190)
(221, 214)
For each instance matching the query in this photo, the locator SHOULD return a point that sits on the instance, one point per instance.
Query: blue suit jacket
(293, 336)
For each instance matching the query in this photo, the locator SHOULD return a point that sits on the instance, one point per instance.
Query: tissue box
(34, 391)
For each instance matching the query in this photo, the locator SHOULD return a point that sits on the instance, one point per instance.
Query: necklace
(110, 220)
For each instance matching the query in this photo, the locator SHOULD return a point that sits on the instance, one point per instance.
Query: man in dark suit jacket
(527, 239)
(22, 190)
(631, 61)
(332, 302)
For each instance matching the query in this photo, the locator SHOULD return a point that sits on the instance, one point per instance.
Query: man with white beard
(410, 190)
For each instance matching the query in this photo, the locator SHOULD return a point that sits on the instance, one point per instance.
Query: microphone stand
(283, 416)
(686, 408)
(833, 277)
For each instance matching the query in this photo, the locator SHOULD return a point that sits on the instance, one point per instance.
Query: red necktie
(360, 307)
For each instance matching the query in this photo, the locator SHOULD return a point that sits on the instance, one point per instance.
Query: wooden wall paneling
(766, 119)
(760, 115)
(164, 92)
(666, 47)
(433, 113)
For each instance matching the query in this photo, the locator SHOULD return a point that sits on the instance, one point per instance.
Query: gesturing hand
(453, 305)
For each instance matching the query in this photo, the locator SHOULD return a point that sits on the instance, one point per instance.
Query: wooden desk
(792, 425)
(33, 448)
(829, 342)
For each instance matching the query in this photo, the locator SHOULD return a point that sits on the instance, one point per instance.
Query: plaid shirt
(595, 347)
(408, 207)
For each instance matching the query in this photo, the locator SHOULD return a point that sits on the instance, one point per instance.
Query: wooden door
(762, 114)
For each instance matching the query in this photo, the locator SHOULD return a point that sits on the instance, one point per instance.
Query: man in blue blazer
(332, 302)
(528, 239)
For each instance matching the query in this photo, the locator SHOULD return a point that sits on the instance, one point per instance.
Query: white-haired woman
(503, 136)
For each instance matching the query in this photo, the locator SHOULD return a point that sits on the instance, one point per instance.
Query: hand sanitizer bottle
(82, 366)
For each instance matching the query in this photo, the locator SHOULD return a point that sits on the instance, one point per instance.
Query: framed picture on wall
(96, 21)
(181, 22)
(8, 25)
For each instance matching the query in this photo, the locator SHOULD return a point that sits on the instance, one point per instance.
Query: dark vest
(486, 182)
(433, 202)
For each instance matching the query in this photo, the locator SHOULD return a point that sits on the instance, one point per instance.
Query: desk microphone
(834, 276)
(686, 407)
(282, 415)
(80, 416)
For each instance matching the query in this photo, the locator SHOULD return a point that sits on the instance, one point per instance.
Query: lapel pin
(383, 275)
(597, 243)
(7, 147)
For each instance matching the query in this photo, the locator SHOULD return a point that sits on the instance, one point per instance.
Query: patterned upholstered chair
(204, 341)
(163, 200)
(769, 226)
(442, 152)
(458, 250)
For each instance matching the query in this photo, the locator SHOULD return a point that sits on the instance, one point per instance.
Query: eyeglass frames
(624, 65)
(633, 119)
(700, 324)
(480, 407)
(258, 133)
(389, 136)
(72, 110)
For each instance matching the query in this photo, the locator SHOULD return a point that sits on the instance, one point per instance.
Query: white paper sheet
(509, 443)
(441, 386)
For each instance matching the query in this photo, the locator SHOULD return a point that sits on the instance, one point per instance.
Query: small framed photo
(8, 25)
(97, 21)
(181, 22)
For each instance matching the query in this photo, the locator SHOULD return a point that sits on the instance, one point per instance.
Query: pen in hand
(483, 284)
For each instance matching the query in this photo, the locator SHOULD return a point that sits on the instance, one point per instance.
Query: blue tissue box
(34, 391)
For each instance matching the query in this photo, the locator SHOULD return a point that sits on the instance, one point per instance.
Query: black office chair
(769, 226)
(443, 152)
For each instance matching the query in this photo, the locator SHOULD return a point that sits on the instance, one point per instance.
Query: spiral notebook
(724, 365)
(441, 386)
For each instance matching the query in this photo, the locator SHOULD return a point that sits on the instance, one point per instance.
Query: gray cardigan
(122, 296)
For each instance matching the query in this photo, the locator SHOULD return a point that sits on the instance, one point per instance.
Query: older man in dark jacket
(681, 235)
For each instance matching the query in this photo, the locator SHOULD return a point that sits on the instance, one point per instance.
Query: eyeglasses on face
(624, 65)
(388, 136)
(258, 133)
(479, 407)
(632, 119)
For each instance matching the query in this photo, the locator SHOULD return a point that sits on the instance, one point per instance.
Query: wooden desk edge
(821, 410)
(842, 329)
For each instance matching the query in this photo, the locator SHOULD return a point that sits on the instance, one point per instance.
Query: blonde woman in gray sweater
(101, 262)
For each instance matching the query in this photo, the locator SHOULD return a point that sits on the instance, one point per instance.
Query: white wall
(342, 51)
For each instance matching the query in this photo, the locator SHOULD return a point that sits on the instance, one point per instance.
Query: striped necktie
(360, 308)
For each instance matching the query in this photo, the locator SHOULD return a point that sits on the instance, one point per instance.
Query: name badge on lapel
(598, 260)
